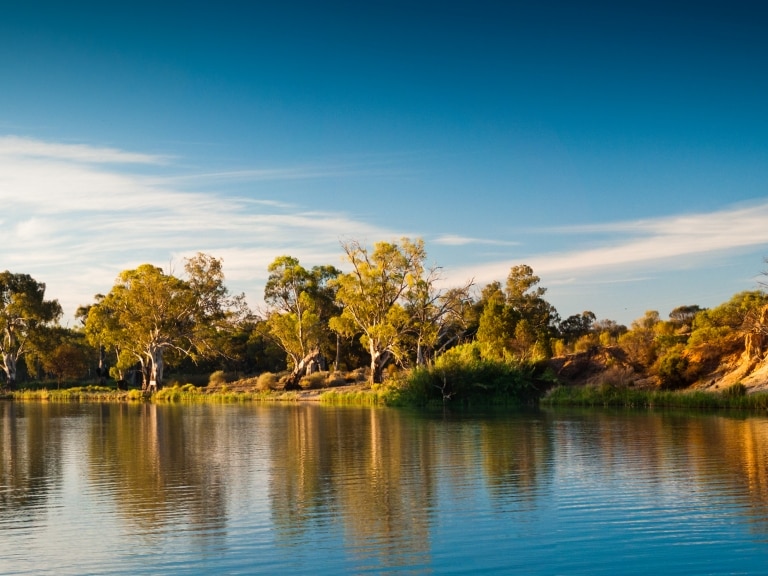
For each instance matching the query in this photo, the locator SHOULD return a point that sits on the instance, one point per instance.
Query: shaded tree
(24, 312)
(522, 299)
(577, 325)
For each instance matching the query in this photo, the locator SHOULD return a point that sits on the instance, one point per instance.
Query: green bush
(461, 376)
(672, 370)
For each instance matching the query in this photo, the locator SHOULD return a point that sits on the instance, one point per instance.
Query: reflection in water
(30, 457)
(304, 488)
(168, 466)
(362, 468)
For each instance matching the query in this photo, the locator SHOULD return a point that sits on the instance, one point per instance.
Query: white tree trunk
(378, 361)
(156, 369)
(9, 366)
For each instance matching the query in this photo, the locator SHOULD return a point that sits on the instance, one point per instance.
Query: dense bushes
(461, 376)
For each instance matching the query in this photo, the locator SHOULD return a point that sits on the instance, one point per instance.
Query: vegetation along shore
(385, 332)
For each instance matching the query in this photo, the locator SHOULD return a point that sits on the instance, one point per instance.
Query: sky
(620, 149)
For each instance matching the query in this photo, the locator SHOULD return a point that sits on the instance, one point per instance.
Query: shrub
(314, 381)
(336, 379)
(218, 378)
(672, 370)
(266, 381)
(460, 375)
(616, 375)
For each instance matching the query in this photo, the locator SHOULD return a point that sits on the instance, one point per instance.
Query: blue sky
(620, 149)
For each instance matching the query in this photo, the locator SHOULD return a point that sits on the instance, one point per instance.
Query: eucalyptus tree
(372, 297)
(149, 313)
(518, 318)
(301, 303)
(24, 313)
(439, 317)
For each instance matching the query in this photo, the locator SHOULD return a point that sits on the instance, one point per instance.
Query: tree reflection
(164, 458)
(30, 457)
(362, 468)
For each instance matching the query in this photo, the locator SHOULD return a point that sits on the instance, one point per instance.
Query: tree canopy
(371, 296)
(301, 304)
(149, 313)
(24, 313)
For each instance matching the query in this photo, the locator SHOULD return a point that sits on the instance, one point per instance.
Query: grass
(177, 393)
(621, 396)
(75, 394)
(379, 396)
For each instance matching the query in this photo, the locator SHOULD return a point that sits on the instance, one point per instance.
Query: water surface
(306, 489)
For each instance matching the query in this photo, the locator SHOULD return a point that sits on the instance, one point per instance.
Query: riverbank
(736, 397)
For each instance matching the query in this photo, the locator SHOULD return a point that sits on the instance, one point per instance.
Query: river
(309, 489)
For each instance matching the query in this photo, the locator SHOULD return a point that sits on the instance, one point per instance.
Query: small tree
(438, 317)
(66, 362)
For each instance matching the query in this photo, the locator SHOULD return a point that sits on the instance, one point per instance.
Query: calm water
(119, 489)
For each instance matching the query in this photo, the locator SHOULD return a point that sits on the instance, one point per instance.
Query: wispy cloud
(74, 216)
(74, 219)
(19, 147)
(645, 243)
(454, 240)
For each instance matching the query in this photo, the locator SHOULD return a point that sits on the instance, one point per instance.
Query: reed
(74, 394)
(619, 396)
(369, 397)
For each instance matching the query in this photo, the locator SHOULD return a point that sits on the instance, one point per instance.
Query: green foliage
(672, 369)
(371, 397)
(517, 323)
(461, 375)
(24, 312)
(301, 304)
(372, 295)
(738, 390)
(148, 313)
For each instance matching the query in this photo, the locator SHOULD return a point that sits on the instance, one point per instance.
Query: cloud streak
(19, 147)
(74, 220)
(642, 243)
(74, 216)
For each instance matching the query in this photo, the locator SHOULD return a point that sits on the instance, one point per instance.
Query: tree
(23, 312)
(684, 315)
(59, 352)
(66, 361)
(438, 317)
(82, 315)
(526, 300)
(577, 325)
(522, 299)
(640, 341)
(371, 296)
(301, 304)
(149, 313)
(495, 329)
